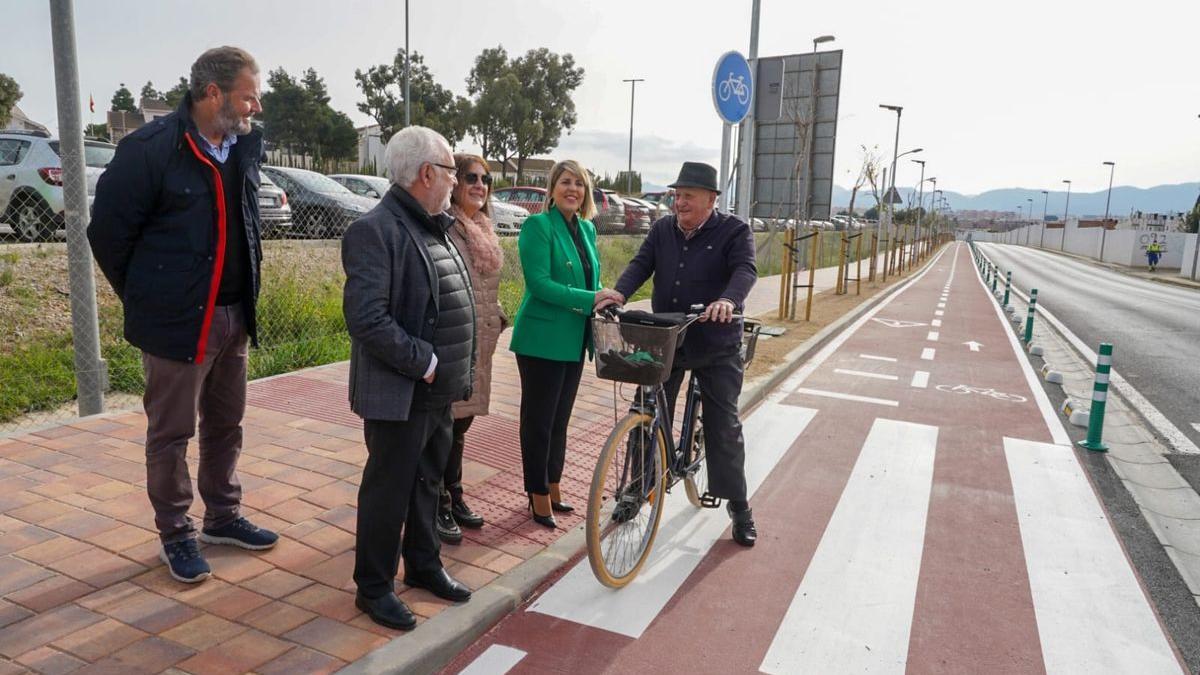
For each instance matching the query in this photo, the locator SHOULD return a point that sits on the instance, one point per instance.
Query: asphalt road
(1154, 328)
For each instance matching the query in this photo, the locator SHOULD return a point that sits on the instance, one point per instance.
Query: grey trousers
(178, 394)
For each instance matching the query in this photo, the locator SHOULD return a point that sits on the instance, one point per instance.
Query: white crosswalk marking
(853, 610)
(861, 373)
(1091, 612)
(684, 538)
(495, 660)
(927, 353)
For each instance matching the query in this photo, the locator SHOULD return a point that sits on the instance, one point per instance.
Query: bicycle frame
(652, 401)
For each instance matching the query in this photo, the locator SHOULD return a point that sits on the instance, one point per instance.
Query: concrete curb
(437, 641)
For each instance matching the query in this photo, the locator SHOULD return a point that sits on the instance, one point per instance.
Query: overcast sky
(1000, 94)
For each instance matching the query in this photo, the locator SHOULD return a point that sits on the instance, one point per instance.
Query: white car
(508, 217)
(362, 185)
(31, 192)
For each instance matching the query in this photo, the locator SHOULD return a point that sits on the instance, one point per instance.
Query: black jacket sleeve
(744, 270)
(125, 197)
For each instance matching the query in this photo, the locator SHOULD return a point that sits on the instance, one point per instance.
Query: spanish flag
(91, 103)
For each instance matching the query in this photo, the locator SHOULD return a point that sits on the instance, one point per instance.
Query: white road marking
(928, 353)
(877, 358)
(846, 397)
(853, 610)
(684, 538)
(495, 660)
(936, 323)
(861, 373)
(1049, 415)
(933, 336)
(1092, 614)
(973, 345)
(920, 379)
(898, 323)
(939, 312)
(941, 305)
(1196, 427)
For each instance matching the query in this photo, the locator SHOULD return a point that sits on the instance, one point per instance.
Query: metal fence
(299, 314)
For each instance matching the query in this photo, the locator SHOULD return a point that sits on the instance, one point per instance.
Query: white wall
(1122, 247)
(1189, 253)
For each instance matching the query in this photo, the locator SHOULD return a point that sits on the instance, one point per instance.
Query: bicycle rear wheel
(626, 500)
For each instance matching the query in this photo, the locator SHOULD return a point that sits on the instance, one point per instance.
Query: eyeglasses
(473, 178)
(451, 169)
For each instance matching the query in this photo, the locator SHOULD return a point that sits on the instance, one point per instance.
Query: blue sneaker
(241, 532)
(184, 561)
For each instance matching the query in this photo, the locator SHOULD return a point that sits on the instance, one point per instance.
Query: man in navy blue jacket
(699, 256)
(175, 229)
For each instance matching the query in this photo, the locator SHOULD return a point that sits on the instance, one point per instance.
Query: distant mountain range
(1158, 199)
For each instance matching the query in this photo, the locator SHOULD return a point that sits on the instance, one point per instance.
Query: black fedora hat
(697, 175)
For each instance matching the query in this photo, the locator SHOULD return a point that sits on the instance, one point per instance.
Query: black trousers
(548, 391)
(720, 376)
(399, 494)
(452, 490)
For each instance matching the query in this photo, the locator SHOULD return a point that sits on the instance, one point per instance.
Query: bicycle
(984, 391)
(640, 462)
(734, 86)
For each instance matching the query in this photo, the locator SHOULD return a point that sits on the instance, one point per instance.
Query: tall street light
(920, 194)
(1112, 168)
(895, 156)
(629, 172)
(1062, 245)
(1045, 205)
(407, 72)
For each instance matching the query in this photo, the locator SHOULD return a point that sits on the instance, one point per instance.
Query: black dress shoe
(464, 516)
(447, 529)
(744, 531)
(387, 610)
(440, 583)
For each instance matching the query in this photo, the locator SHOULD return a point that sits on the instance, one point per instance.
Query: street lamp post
(407, 72)
(1112, 168)
(920, 195)
(895, 156)
(1045, 205)
(1062, 245)
(629, 171)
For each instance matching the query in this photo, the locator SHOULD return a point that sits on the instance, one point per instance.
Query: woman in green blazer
(552, 331)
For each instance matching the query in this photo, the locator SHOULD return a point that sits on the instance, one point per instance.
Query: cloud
(657, 158)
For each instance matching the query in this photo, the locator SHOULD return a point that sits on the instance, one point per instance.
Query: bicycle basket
(634, 353)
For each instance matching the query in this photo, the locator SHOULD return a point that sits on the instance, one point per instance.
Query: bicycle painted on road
(982, 391)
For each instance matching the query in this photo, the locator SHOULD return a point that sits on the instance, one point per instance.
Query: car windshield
(315, 182)
(96, 155)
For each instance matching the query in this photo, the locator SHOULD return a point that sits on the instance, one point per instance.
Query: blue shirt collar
(221, 152)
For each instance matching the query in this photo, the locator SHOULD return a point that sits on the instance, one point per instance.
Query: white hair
(408, 149)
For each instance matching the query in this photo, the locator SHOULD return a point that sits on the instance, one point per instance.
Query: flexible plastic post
(1099, 401)
(1029, 316)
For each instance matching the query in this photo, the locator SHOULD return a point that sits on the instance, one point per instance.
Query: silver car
(274, 208)
(508, 218)
(31, 192)
(373, 187)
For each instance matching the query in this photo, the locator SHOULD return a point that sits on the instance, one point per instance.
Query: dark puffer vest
(454, 333)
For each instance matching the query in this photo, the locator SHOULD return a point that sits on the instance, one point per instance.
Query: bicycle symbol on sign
(983, 391)
(734, 86)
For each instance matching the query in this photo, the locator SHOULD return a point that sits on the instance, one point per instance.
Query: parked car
(31, 192)
(666, 198)
(508, 218)
(373, 187)
(529, 198)
(610, 212)
(655, 211)
(274, 208)
(321, 208)
(637, 215)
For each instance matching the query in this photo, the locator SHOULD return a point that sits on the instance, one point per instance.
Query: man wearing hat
(699, 256)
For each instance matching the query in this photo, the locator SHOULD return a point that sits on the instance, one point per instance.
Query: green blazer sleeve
(537, 238)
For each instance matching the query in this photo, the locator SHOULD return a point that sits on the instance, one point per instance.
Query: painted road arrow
(973, 345)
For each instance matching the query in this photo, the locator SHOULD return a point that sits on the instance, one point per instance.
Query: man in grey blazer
(409, 310)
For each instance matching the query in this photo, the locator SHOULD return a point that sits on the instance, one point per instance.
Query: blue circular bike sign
(733, 87)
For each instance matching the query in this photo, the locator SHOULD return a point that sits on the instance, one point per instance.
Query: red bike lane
(920, 510)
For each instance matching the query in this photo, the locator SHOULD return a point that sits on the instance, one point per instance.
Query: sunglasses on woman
(473, 178)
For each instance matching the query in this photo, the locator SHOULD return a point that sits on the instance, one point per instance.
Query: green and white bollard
(995, 278)
(1007, 286)
(1029, 315)
(1099, 400)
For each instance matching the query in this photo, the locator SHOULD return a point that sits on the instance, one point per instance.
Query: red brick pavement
(82, 588)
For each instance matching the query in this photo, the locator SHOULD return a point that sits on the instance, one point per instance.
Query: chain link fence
(299, 309)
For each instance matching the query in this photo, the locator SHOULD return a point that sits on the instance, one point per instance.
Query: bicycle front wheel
(626, 500)
(695, 461)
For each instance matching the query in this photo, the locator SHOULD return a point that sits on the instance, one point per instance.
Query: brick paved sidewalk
(82, 588)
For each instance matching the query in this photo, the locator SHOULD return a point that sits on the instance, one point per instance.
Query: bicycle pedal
(708, 501)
